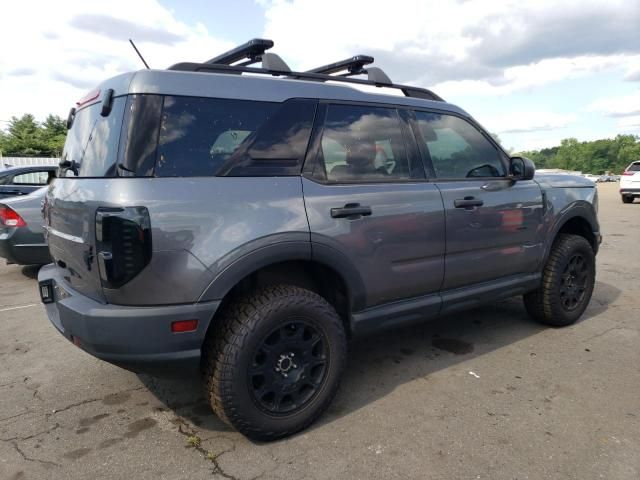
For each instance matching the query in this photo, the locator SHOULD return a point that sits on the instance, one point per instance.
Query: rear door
(72, 202)
(493, 224)
(368, 202)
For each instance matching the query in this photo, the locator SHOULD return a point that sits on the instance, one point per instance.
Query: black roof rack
(251, 50)
(254, 50)
(353, 65)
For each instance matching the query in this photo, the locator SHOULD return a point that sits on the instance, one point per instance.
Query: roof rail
(353, 65)
(251, 50)
(254, 51)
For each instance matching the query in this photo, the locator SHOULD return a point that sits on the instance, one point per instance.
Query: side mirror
(521, 168)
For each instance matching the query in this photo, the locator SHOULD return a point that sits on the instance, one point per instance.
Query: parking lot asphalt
(486, 394)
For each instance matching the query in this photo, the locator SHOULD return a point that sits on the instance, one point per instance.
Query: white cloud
(524, 122)
(526, 77)
(49, 66)
(629, 124)
(491, 47)
(618, 106)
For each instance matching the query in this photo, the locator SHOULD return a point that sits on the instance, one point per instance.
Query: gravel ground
(483, 394)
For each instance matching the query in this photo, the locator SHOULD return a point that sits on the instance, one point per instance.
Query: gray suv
(247, 221)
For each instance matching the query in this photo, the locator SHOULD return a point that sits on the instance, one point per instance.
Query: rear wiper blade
(121, 166)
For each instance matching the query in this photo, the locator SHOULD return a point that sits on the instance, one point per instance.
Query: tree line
(25, 137)
(598, 156)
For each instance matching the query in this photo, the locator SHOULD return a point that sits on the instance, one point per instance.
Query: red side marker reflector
(184, 326)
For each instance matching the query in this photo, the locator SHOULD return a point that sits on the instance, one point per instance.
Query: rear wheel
(273, 361)
(567, 283)
(627, 198)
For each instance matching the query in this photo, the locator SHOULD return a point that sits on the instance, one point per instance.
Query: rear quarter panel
(199, 227)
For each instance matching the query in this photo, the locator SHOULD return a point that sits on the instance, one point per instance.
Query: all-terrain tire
(230, 351)
(553, 303)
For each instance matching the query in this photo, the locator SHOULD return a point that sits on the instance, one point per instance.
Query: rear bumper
(23, 248)
(629, 190)
(136, 338)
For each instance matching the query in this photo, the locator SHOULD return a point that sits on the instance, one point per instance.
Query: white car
(630, 183)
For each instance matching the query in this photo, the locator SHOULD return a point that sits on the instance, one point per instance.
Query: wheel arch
(324, 271)
(578, 220)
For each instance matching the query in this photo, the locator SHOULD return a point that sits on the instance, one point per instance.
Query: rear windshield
(634, 167)
(92, 141)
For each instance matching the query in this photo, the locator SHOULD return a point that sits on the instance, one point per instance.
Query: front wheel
(567, 283)
(273, 361)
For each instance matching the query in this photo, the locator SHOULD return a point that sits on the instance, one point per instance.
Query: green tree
(54, 132)
(598, 156)
(28, 138)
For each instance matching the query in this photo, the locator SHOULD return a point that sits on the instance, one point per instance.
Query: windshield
(92, 141)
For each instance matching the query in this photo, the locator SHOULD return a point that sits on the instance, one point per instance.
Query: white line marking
(19, 307)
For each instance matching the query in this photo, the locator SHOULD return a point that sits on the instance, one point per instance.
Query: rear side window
(363, 144)
(206, 136)
(93, 140)
(634, 167)
(31, 178)
(456, 148)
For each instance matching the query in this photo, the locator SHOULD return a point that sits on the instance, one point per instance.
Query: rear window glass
(206, 136)
(634, 167)
(32, 178)
(93, 140)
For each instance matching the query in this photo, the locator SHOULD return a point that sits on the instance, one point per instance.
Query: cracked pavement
(484, 394)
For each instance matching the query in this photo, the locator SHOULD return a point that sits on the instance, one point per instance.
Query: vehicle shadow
(380, 363)
(31, 271)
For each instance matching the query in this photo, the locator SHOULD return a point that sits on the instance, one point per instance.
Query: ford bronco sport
(248, 221)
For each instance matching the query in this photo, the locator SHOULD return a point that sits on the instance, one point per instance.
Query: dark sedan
(21, 229)
(24, 180)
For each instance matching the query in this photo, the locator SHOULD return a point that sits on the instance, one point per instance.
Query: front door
(367, 200)
(493, 224)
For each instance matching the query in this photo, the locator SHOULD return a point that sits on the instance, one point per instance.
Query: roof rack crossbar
(353, 65)
(251, 50)
(409, 91)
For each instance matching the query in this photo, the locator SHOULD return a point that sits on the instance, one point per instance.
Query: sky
(534, 72)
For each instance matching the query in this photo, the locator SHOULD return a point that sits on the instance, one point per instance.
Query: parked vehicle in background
(630, 183)
(594, 178)
(24, 180)
(21, 229)
(247, 225)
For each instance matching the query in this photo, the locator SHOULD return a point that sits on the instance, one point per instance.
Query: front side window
(363, 144)
(456, 148)
(207, 136)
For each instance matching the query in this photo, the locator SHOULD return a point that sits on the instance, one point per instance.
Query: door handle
(468, 203)
(352, 211)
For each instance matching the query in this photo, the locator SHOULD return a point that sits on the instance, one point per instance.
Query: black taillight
(123, 243)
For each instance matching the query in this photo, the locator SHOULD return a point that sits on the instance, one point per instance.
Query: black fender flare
(583, 210)
(228, 273)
